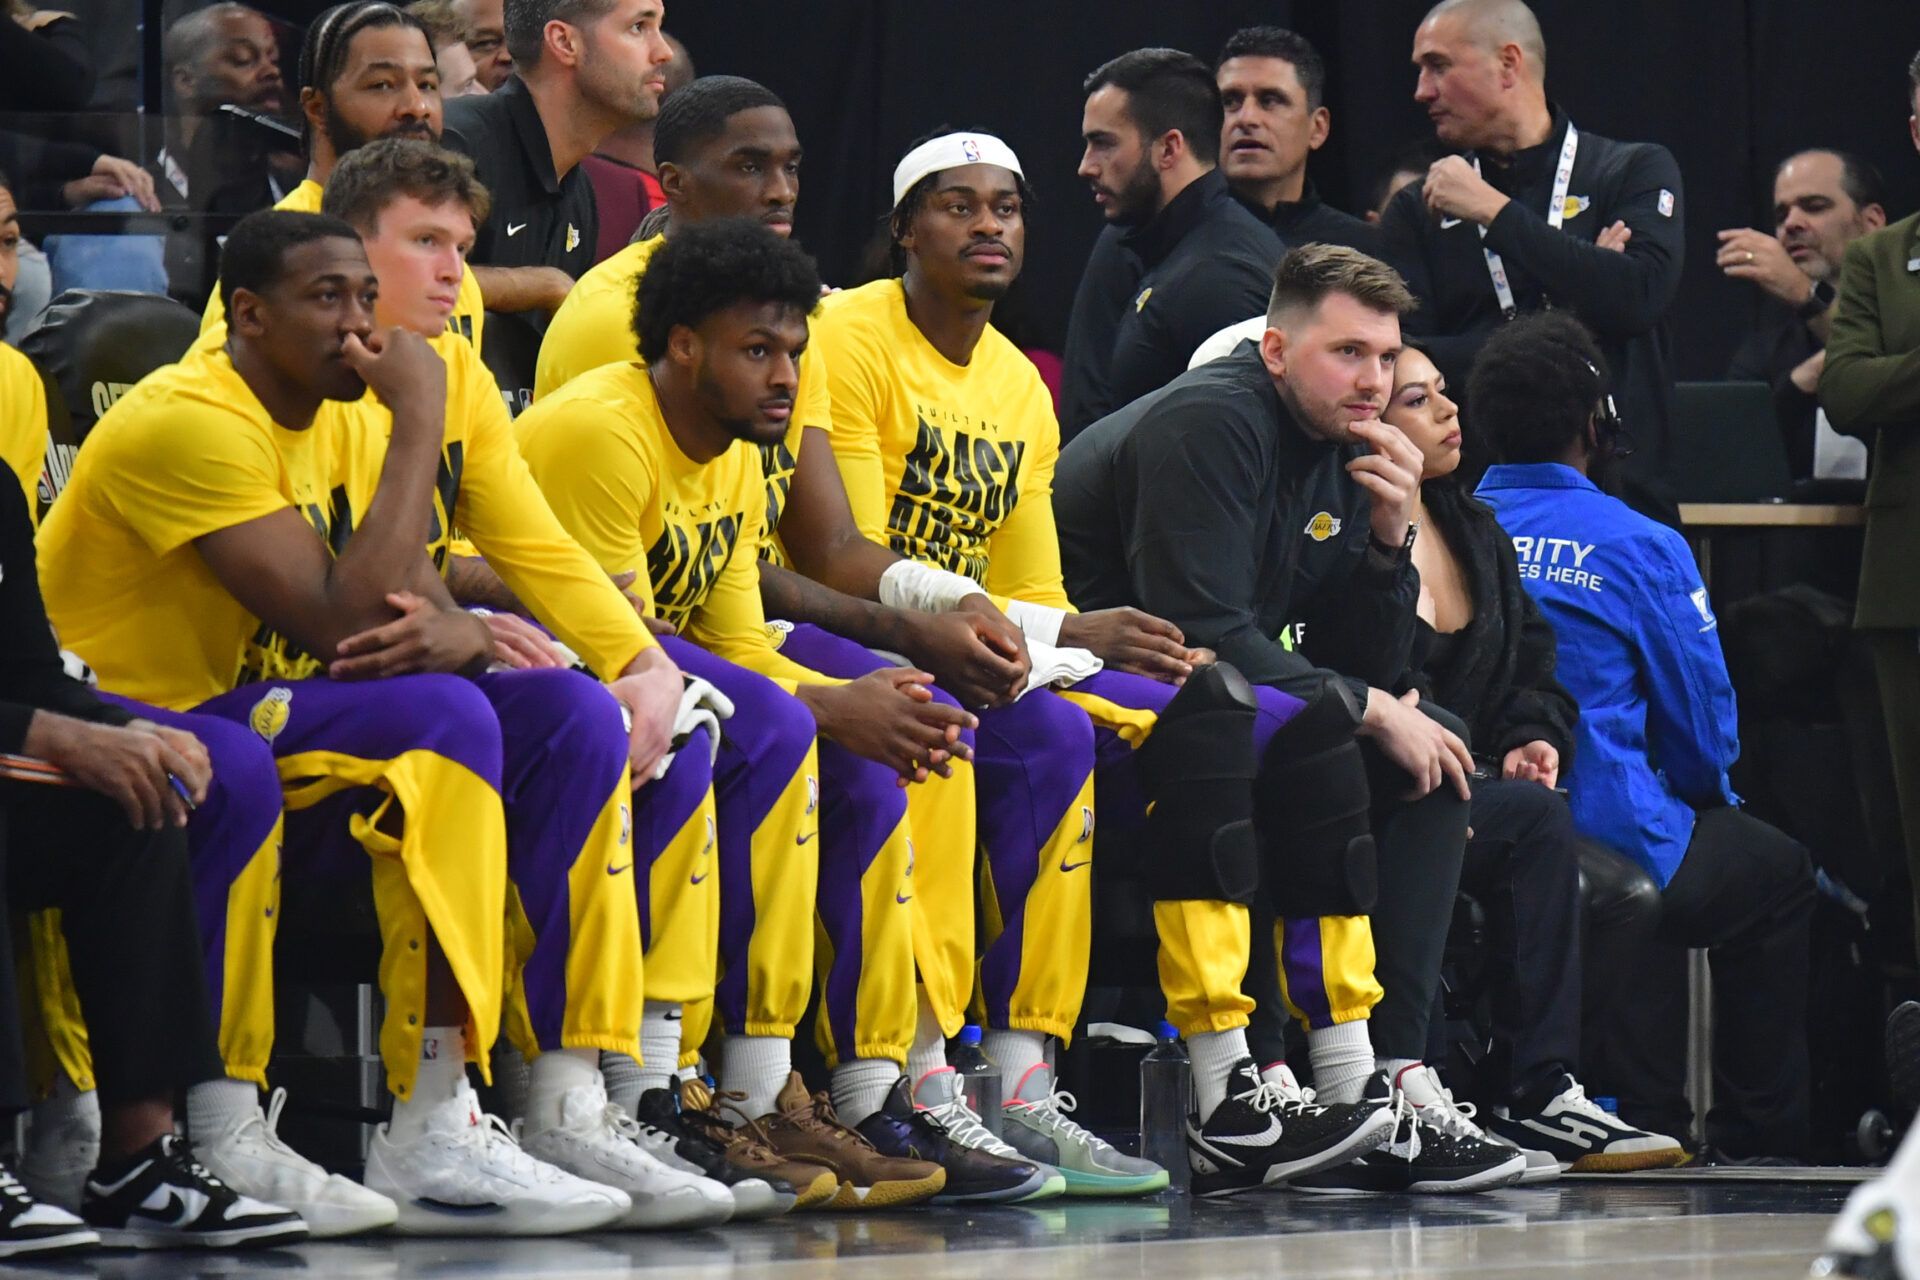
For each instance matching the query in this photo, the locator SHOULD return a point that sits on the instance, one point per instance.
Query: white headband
(950, 151)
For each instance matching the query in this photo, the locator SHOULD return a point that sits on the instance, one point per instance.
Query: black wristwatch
(1392, 552)
(1818, 300)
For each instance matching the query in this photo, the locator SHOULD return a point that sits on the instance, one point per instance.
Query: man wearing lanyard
(1537, 214)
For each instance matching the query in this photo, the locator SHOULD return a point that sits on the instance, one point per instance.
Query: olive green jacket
(1871, 387)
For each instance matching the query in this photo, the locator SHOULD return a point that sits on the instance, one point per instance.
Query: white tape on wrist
(908, 584)
(1039, 622)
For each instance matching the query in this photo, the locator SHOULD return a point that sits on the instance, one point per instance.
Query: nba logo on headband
(970, 149)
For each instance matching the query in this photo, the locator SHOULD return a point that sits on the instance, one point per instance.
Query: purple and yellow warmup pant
(816, 873)
(1326, 963)
(489, 810)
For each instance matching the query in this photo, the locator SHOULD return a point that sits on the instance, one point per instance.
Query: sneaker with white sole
(1034, 1122)
(1268, 1129)
(466, 1175)
(1584, 1137)
(162, 1198)
(29, 1229)
(1877, 1234)
(1541, 1166)
(1435, 1148)
(596, 1139)
(250, 1157)
(749, 1176)
(940, 1097)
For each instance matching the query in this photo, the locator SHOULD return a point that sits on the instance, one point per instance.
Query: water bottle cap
(969, 1034)
(1167, 1031)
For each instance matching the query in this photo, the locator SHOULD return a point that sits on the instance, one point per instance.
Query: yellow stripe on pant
(942, 814)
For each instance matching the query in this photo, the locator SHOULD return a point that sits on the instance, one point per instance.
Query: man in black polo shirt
(1273, 91)
(1538, 214)
(1181, 259)
(582, 69)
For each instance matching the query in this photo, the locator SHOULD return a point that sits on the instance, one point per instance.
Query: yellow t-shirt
(594, 326)
(947, 464)
(187, 452)
(469, 311)
(23, 423)
(485, 490)
(600, 449)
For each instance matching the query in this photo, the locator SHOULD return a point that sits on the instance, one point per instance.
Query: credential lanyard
(1556, 214)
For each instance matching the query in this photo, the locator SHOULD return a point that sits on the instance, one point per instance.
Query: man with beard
(367, 71)
(1822, 202)
(1180, 258)
(582, 69)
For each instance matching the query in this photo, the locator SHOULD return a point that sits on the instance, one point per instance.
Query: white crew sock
(213, 1106)
(757, 1066)
(443, 1069)
(929, 1051)
(1342, 1058)
(550, 1076)
(625, 1083)
(71, 1110)
(659, 1044)
(859, 1087)
(1016, 1052)
(1215, 1054)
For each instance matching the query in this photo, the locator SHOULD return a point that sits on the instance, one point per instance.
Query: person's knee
(246, 780)
(1619, 895)
(1448, 721)
(575, 713)
(1050, 737)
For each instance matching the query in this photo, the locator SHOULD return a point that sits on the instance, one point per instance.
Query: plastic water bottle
(979, 1078)
(1166, 1087)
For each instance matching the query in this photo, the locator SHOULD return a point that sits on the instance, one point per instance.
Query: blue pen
(180, 789)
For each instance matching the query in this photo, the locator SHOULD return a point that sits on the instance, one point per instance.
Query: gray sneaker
(1035, 1124)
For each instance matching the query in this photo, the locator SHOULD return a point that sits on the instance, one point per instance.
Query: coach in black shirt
(576, 80)
(1273, 89)
(1189, 260)
(1565, 218)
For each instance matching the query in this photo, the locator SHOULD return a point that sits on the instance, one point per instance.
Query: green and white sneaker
(1035, 1123)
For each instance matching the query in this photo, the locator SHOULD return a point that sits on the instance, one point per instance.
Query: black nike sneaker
(1265, 1133)
(757, 1190)
(162, 1198)
(1435, 1147)
(29, 1229)
(973, 1176)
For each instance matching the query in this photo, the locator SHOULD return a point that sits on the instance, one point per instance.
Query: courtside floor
(1653, 1228)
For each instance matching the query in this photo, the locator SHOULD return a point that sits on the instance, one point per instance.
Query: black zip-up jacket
(1152, 294)
(31, 675)
(1208, 505)
(1499, 673)
(1311, 220)
(1624, 297)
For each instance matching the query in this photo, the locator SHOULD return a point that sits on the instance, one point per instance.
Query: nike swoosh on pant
(614, 871)
(805, 838)
(1073, 866)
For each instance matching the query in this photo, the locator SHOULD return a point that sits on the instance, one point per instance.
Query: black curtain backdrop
(1730, 86)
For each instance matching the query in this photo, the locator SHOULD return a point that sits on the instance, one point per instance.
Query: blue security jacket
(1639, 651)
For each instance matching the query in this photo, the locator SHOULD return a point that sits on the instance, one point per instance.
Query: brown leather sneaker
(805, 1128)
(746, 1148)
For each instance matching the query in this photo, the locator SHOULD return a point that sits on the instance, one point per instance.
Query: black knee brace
(1197, 768)
(1311, 812)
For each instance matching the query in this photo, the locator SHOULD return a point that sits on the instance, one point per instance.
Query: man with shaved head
(1535, 213)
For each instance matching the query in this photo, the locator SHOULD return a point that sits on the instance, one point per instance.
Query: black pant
(126, 908)
(1745, 893)
(1420, 846)
(1521, 866)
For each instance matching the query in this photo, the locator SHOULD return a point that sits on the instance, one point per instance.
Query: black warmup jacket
(1311, 220)
(1624, 297)
(1152, 294)
(31, 675)
(1208, 505)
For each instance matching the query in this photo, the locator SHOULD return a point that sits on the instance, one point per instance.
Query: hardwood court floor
(1642, 1230)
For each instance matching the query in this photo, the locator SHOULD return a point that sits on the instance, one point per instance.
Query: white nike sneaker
(597, 1140)
(467, 1176)
(250, 1157)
